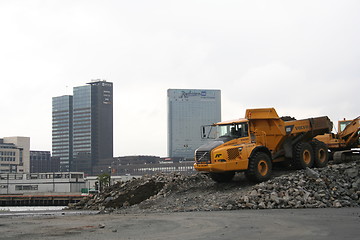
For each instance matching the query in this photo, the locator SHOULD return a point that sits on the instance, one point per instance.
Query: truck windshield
(343, 125)
(238, 130)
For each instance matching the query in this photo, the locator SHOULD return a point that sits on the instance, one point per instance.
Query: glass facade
(188, 110)
(83, 126)
(62, 130)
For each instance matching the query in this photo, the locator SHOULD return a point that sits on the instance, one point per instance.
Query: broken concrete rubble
(333, 186)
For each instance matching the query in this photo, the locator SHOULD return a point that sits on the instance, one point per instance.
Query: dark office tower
(92, 125)
(62, 120)
(83, 126)
(102, 120)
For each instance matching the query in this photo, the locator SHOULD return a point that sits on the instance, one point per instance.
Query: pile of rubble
(141, 190)
(332, 186)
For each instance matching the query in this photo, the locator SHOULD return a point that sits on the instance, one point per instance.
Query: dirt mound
(332, 186)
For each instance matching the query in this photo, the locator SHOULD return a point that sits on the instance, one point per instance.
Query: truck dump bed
(269, 130)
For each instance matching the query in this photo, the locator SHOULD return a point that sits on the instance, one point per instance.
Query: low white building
(35, 183)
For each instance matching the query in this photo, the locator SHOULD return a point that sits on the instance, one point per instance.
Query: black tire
(303, 156)
(321, 153)
(222, 177)
(260, 167)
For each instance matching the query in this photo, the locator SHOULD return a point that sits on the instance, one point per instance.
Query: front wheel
(259, 168)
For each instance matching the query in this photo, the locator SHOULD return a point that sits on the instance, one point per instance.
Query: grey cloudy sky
(301, 57)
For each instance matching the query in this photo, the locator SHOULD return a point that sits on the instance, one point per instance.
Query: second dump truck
(254, 143)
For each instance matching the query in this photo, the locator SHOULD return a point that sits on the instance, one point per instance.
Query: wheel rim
(322, 155)
(263, 167)
(307, 157)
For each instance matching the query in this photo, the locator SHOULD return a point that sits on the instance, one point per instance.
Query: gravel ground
(304, 224)
(306, 204)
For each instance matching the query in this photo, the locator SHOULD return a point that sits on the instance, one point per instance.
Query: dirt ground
(329, 223)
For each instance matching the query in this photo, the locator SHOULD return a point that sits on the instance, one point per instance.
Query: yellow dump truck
(252, 144)
(345, 144)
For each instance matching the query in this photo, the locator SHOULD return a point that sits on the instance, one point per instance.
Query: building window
(26, 187)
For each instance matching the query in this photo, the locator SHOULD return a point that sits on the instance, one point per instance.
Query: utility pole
(7, 187)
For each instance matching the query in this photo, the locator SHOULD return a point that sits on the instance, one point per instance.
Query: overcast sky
(301, 57)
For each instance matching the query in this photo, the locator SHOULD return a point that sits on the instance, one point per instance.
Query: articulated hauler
(254, 143)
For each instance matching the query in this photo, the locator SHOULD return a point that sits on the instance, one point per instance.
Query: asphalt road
(343, 223)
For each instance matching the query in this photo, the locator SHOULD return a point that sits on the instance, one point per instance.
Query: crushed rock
(335, 186)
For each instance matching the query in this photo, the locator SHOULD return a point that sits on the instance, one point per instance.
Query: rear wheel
(259, 168)
(303, 156)
(222, 177)
(321, 154)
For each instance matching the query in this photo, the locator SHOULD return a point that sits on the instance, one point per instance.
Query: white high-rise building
(188, 110)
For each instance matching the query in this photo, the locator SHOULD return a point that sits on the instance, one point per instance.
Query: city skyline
(298, 57)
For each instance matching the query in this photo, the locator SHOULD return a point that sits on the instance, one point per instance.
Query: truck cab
(228, 140)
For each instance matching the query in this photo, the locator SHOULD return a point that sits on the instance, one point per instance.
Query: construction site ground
(321, 223)
(319, 203)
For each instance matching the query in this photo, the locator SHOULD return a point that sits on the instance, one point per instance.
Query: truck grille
(233, 153)
(202, 157)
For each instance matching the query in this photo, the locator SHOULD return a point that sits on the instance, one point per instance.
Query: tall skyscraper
(91, 128)
(62, 130)
(82, 126)
(188, 110)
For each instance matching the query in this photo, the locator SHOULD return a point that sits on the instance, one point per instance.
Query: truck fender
(261, 149)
